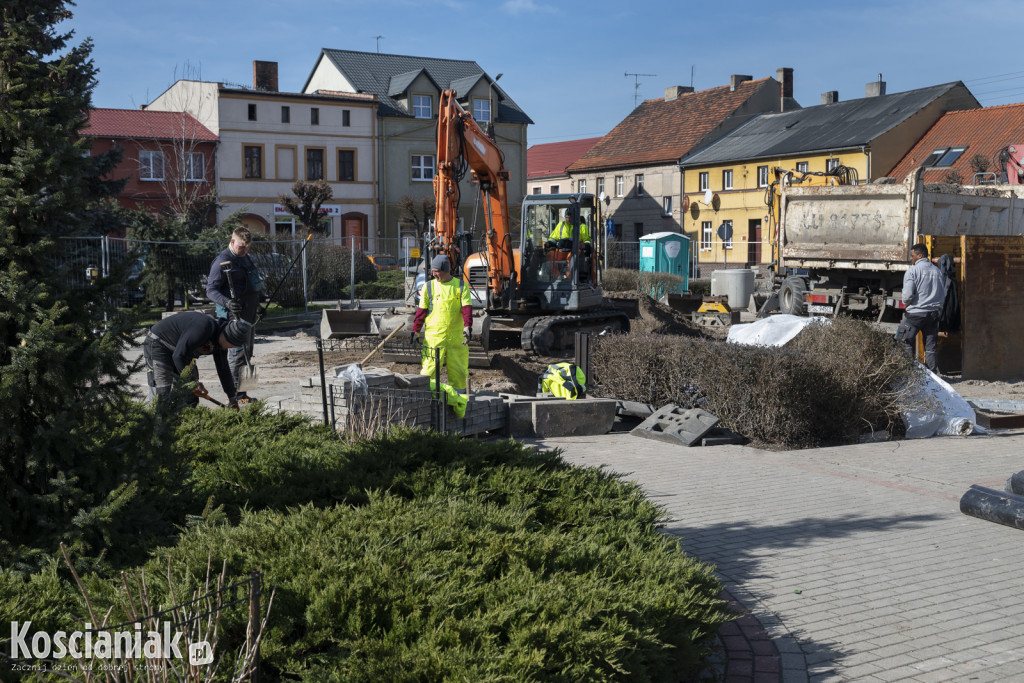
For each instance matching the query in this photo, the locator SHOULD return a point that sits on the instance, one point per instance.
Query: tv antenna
(636, 85)
(378, 43)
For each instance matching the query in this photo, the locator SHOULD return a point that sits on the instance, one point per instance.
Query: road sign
(609, 228)
(725, 231)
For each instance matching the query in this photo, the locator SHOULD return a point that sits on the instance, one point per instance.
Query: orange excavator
(548, 286)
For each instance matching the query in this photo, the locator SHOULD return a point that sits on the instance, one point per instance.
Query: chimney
(876, 89)
(264, 75)
(784, 75)
(674, 91)
(736, 79)
(830, 97)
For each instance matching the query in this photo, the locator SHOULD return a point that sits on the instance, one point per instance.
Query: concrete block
(582, 417)
(520, 420)
(673, 424)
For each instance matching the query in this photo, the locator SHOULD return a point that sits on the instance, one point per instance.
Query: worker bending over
(174, 343)
(445, 315)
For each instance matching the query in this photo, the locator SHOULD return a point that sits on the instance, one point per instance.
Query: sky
(577, 68)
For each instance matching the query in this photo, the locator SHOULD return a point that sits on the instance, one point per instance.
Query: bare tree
(310, 195)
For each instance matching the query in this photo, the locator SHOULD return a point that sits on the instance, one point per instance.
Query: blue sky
(565, 62)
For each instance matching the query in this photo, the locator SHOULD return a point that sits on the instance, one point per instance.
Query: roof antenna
(636, 85)
(378, 43)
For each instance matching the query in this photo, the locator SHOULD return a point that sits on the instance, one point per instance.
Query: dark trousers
(928, 325)
(160, 372)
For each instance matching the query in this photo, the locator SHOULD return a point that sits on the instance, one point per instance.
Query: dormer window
(422, 106)
(482, 111)
(944, 156)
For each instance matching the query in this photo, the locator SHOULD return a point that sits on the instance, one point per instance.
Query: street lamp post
(490, 106)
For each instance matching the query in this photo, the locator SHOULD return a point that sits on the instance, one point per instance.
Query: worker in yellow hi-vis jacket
(445, 315)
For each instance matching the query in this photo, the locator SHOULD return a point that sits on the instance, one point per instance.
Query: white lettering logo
(91, 644)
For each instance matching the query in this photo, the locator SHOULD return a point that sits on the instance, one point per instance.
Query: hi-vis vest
(564, 380)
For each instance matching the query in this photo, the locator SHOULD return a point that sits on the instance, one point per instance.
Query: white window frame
(802, 167)
(600, 185)
(149, 159)
(619, 185)
(423, 106)
(481, 110)
(727, 244)
(727, 179)
(703, 181)
(194, 161)
(762, 176)
(831, 164)
(666, 205)
(639, 183)
(582, 185)
(707, 234)
(420, 168)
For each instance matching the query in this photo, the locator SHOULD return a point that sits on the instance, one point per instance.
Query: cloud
(525, 7)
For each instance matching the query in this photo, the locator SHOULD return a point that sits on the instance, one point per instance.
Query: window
(422, 106)
(801, 167)
(422, 166)
(346, 165)
(252, 112)
(702, 181)
(600, 185)
(639, 183)
(666, 206)
(286, 114)
(314, 116)
(554, 189)
(762, 176)
(536, 190)
(831, 164)
(618, 186)
(482, 111)
(314, 163)
(944, 157)
(253, 161)
(638, 230)
(346, 118)
(727, 227)
(705, 236)
(193, 166)
(727, 179)
(151, 165)
(582, 185)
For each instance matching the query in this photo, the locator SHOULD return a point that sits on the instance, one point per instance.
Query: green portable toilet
(667, 252)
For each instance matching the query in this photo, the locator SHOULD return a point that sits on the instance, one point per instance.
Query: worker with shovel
(174, 343)
(445, 315)
(234, 284)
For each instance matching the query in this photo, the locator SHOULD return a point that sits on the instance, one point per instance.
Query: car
(411, 265)
(382, 262)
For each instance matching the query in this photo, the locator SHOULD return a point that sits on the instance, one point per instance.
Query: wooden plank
(999, 420)
(993, 307)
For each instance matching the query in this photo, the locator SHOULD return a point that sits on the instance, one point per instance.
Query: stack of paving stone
(485, 412)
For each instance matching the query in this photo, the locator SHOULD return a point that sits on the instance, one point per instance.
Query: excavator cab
(558, 261)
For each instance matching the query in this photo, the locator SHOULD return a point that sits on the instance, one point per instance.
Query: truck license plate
(819, 309)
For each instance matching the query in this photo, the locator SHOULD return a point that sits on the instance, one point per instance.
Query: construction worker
(234, 284)
(175, 342)
(565, 380)
(563, 231)
(924, 291)
(445, 314)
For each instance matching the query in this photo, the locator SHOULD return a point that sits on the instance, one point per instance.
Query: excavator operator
(563, 231)
(445, 315)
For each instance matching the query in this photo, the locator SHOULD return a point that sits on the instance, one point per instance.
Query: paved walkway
(855, 563)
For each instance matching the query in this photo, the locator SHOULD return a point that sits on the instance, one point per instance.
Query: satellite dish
(707, 196)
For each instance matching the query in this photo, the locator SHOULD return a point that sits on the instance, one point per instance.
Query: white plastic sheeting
(938, 408)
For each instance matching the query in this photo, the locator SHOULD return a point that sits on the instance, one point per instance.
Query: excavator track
(551, 335)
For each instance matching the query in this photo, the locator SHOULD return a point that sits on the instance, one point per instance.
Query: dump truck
(844, 248)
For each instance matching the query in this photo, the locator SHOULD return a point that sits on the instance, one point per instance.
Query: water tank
(736, 283)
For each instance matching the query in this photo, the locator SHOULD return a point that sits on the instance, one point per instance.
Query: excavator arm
(462, 144)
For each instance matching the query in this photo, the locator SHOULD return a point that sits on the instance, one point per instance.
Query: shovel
(381, 345)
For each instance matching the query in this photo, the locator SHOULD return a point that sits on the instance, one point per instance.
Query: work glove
(466, 334)
(414, 337)
(235, 306)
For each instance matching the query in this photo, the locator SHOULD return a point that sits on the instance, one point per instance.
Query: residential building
(408, 90)
(167, 156)
(965, 146)
(725, 182)
(269, 139)
(637, 163)
(546, 164)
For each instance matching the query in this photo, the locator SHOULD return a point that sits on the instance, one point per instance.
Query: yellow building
(725, 184)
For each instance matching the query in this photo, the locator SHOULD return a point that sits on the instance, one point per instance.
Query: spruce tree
(62, 448)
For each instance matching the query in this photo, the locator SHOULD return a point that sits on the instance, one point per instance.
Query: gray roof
(826, 127)
(387, 76)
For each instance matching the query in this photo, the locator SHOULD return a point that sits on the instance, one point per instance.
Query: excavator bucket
(335, 324)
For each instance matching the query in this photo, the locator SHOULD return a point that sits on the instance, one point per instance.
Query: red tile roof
(982, 131)
(551, 159)
(139, 123)
(661, 132)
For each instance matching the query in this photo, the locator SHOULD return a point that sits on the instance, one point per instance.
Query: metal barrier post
(583, 357)
(352, 273)
(323, 380)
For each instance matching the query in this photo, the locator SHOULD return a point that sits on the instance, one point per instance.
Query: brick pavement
(856, 561)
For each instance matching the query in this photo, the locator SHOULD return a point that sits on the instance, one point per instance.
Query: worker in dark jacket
(924, 290)
(234, 284)
(174, 343)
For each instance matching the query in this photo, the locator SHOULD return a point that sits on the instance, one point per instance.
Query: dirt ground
(284, 358)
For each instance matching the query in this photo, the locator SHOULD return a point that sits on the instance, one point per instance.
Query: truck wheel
(791, 296)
